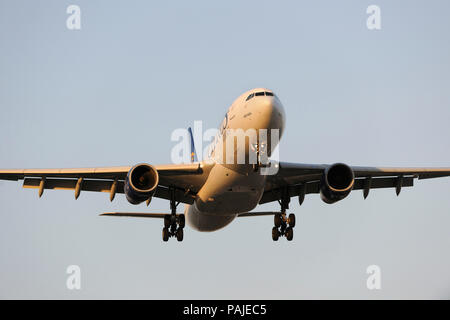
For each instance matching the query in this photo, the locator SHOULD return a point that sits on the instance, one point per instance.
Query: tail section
(193, 152)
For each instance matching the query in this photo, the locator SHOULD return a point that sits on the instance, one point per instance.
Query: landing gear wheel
(275, 234)
(180, 234)
(289, 233)
(181, 221)
(291, 220)
(165, 234)
(167, 221)
(277, 220)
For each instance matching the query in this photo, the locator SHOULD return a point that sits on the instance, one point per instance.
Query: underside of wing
(420, 173)
(180, 180)
(300, 179)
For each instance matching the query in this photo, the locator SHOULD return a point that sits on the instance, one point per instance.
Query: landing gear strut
(173, 223)
(284, 225)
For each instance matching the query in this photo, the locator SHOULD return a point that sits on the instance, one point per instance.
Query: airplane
(214, 191)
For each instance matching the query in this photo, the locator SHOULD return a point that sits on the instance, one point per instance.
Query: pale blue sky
(112, 93)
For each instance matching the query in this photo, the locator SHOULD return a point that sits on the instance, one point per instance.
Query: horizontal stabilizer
(161, 215)
(258, 213)
(136, 214)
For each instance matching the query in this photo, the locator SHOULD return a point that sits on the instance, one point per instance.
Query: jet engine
(336, 183)
(140, 183)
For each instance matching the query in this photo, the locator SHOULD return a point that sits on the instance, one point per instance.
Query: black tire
(291, 220)
(181, 221)
(275, 234)
(277, 220)
(180, 234)
(165, 234)
(289, 233)
(167, 221)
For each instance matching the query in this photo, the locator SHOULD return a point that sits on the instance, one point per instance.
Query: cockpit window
(259, 94)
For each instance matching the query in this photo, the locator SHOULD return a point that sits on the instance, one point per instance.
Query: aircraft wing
(301, 179)
(186, 179)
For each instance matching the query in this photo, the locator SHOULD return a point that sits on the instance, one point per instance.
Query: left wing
(298, 179)
(185, 179)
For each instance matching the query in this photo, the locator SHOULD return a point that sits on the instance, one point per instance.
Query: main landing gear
(173, 227)
(173, 223)
(284, 225)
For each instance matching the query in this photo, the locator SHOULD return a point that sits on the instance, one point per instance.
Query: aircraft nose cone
(271, 113)
(266, 106)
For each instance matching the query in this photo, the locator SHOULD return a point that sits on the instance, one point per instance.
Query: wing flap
(70, 184)
(103, 186)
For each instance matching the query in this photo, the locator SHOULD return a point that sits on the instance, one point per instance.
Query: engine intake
(140, 183)
(337, 182)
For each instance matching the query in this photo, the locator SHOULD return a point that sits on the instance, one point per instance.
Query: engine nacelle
(141, 182)
(337, 182)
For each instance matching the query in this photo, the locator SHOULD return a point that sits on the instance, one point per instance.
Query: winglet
(193, 153)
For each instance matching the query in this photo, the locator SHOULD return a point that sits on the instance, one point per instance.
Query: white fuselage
(233, 186)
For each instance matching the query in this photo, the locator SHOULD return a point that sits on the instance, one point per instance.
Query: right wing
(185, 179)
